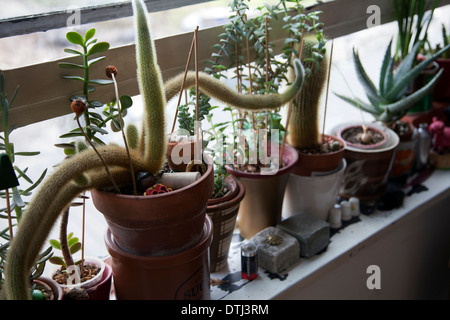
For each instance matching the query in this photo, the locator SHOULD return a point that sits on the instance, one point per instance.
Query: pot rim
(228, 200)
(340, 140)
(162, 261)
(292, 158)
(206, 159)
(95, 281)
(391, 143)
(364, 147)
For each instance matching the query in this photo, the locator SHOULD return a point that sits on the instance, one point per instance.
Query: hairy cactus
(304, 121)
(81, 172)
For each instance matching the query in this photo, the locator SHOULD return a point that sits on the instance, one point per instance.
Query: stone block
(277, 250)
(312, 233)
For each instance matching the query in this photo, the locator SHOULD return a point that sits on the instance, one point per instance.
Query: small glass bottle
(249, 261)
(423, 146)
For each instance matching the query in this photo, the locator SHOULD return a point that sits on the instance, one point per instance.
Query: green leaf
(75, 248)
(89, 34)
(73, 52)
(55, 244)
(92, 61)
(67, 65)
(75, 38)
(72, 241)
(30, 153)
(125, 102)
(384, 67)
(98, 47)
(73, 78)
(57, 260)
(101, 81)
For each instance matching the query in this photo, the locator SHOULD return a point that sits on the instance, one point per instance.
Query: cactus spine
(147, 154)
(304, 122)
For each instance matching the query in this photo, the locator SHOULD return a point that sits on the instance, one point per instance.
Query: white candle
(354, 202)
(335, 217)
(346, 210)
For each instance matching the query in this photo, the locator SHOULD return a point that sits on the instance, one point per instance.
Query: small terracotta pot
(223, 212)
(263, 201)
(405, 153)
(57, 290)
(326, 162)
(180, 276)
(159, 224)
(368, 170)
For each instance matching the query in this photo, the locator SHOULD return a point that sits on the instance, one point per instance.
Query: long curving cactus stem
(217, 89)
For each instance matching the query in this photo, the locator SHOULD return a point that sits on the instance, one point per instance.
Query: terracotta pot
(315, 195)
(56, 289)
(424, 77)
(159, 224)
(223, 212)
(102, 290)
(307, 164)
(405, 153)
(263, 201)
(441, 91)
(368, 170)
(180, 276)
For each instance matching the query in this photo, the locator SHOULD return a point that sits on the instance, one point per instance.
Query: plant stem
(119, 110)
(68, 260)
(101, 158)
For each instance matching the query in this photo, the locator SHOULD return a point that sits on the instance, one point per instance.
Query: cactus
(304, 121)
(147, 154)
(389, 102)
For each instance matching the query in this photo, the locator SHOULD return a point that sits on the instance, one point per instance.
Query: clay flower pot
(309, 163)
(262, 204)
(223, 212)
(180, 276)
(159, 224)
(368, 168)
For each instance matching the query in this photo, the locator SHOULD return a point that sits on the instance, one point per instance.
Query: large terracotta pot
(263, 201)
(180, 276)
(161, 224)
(368, 169)
(223, 212)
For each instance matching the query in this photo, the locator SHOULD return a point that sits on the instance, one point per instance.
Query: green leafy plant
(73, 245)
(18, 197)
(148, 155)
(187, 114)
(391, 100)
(439, 46)
(413, 24)
(95, 122)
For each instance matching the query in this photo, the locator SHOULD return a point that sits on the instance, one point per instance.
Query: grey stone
(279, 255)
(312, 233)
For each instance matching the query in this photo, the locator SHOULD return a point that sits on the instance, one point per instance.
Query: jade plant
(391, 100)
(147, 154)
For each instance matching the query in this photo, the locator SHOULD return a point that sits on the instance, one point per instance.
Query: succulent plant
(147, 155)
(390, 101)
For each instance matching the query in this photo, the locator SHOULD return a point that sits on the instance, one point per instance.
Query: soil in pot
(47, 289)
(358, 137)
(90, 270)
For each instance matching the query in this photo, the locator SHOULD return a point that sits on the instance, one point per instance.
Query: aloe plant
(58, 190)
(390, 101)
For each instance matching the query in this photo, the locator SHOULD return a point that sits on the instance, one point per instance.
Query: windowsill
(344, 245)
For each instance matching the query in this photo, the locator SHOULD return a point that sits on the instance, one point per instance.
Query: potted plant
(88, 170)
(314, 182)
(258, 75)
(22, 187)
(441, 89)
(388, 104)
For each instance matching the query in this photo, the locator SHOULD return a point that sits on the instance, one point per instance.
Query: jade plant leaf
(75, 38)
